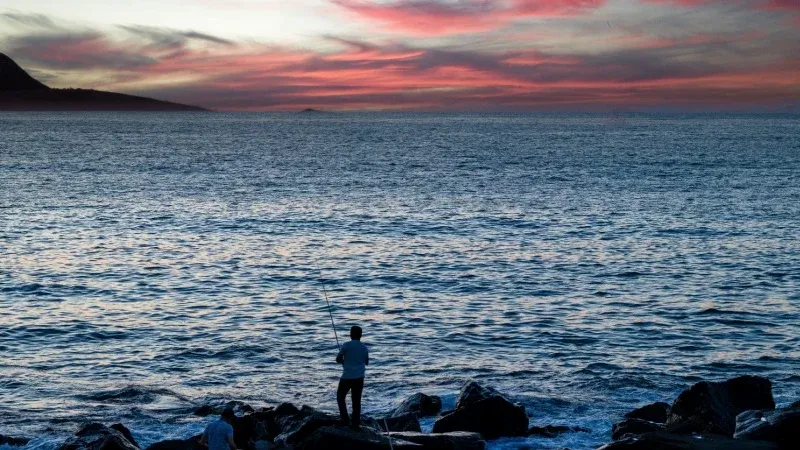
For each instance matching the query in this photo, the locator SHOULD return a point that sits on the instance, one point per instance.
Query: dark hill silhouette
(21, 92)
(13, 78)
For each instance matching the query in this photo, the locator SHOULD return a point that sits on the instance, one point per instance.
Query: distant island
(21, 92)
(311, 111)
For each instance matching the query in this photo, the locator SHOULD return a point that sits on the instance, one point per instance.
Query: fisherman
(219, 434)
(354, 357)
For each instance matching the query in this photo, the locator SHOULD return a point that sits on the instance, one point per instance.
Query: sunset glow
(420, 54)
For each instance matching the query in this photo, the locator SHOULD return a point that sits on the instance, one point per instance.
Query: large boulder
(711, 407)
(96, 436)
(332, 437)
(405, 422)
(483, 410)
(634, 427)
(304, 424)
(420, 404)
(458, 440)
(254, 427)
(655, 412)
(669, 441)
(473, 392)
(781, 426)
(551, 431)
(125, 432)
(13, 441)
(238, 407)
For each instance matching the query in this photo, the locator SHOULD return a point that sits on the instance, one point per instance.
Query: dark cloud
(29, 20)
(168, 38)
(79, 51)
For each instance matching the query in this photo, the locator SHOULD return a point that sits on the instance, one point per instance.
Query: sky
(419, 55)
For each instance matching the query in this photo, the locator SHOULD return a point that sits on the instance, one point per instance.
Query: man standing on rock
(354, 357)
(219, 434)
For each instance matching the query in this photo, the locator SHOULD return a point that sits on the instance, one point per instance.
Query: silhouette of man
(219, 434)
(354, 357)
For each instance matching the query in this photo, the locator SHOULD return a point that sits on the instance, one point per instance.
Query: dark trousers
(357, 386)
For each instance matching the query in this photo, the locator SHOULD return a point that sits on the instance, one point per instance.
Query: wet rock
(472, 392)
(264, 445)
(205, 410)
(286, 409)
(551, 431)
(655, 412)
(209, 409)
(781, 426)
(249, 429)
(634, 427)
(483, 410)
(406, 422)
(458, 440)
(178, 444)
(96, 436)
(125, 432)
(330, 437)
(711, 407)
(238, 407)
(420, 404)
(286, 417)
(669, 441)
(303, 424)
(795, 404)
(13, 441)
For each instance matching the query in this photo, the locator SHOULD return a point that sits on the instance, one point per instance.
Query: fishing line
(325, 291)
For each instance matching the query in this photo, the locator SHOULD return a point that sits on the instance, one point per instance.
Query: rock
(711, 407)
(205, 410)
(781, 426)
(472, 392)
(264, 445)
(330, 437)
(96, 436)
(406, 422)
(286, 416)
(492, 417)
(254, 427)
(13, 441)
(304, 424)
(237, 406)
(286, 409)
(458, 440)
(655, 412)
(669, 441)
(420, 404)
(125, 432)
(551, 431)
(178, 444)
(634, 427)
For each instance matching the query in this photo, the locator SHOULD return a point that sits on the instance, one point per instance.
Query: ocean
(582, 264)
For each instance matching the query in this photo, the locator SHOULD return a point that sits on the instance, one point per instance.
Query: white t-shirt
(355, 356)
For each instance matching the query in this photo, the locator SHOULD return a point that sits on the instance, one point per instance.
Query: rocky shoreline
(737, 414)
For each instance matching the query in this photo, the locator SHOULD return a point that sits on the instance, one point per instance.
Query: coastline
(738, 413)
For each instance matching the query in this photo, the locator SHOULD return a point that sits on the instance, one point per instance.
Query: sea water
(581, 264)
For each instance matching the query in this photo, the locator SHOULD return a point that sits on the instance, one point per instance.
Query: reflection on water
(580, 267)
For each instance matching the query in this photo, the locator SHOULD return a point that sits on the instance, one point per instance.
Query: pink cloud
(432, 17)
(196, 68)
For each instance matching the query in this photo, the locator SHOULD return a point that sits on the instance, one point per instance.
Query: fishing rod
(330, 312)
